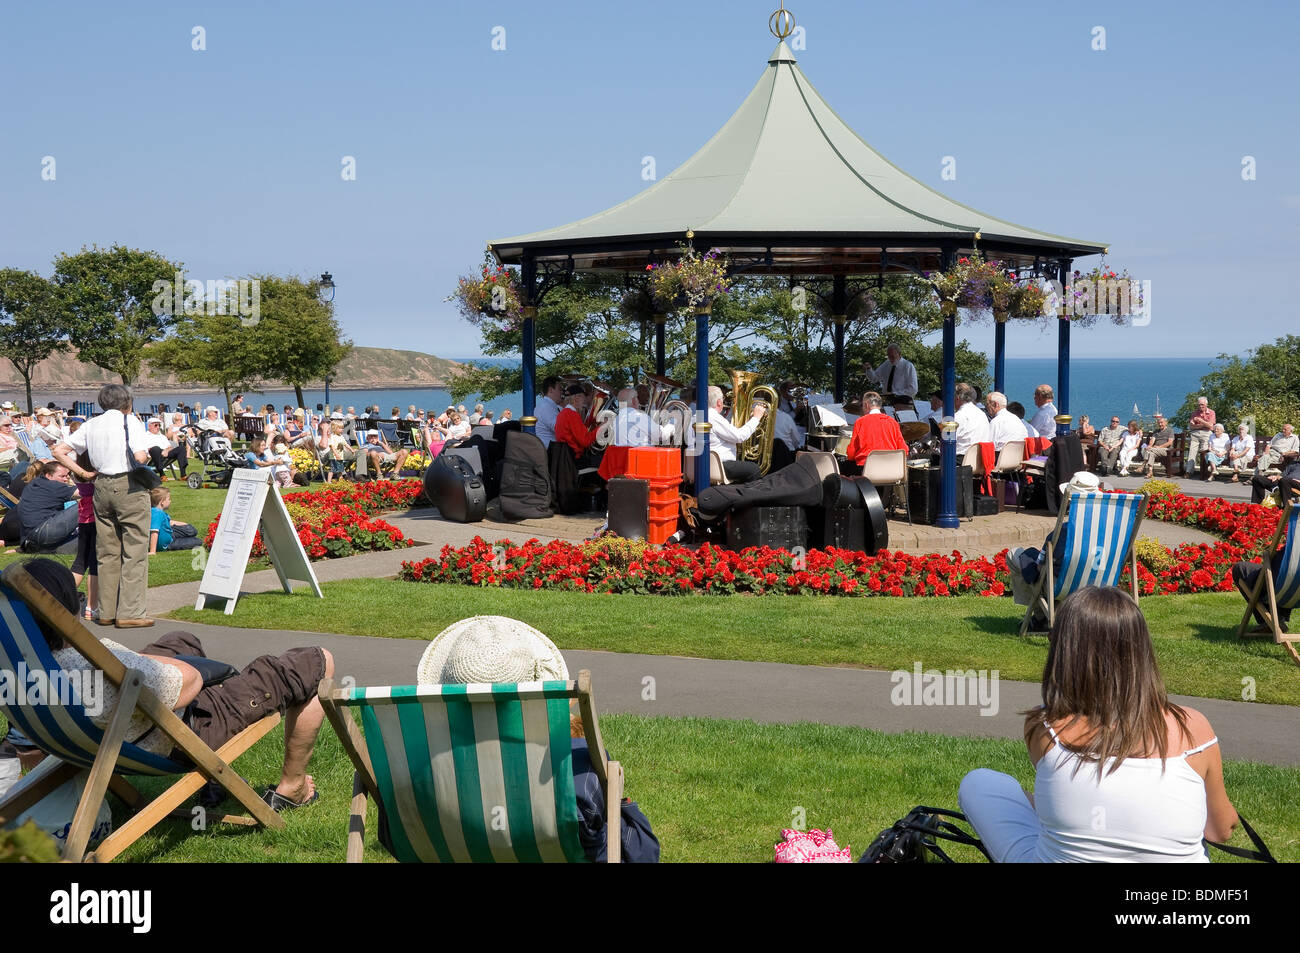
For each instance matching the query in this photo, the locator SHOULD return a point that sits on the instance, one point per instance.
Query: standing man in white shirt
(897, 376)
(972, 423)
(1044, 421)
(121, 508)
(547, 409)
(1004, 426)
(725, 436)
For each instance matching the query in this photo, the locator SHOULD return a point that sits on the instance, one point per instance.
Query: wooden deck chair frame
(8, 499)
(365, 784)
(1266, 588)
(105, 774)
(1043, 596)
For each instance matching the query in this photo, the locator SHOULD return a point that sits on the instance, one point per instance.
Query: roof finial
(781, 23)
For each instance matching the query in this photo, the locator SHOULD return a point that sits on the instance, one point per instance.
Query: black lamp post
(328, 378)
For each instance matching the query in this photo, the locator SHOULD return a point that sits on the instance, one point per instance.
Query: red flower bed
(339, 522)
(613, 565)
(620, 566)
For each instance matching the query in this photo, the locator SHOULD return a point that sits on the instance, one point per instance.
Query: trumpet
(745, 396)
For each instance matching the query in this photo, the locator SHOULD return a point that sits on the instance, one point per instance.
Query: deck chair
(1284, 593)
(7, 499)
(1095, 532)
(472, 773)
(67, 733)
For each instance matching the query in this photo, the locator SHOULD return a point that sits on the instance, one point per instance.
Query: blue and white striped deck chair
(472, 773)
(7, 500)
(1096, 532)
(1283, 592)
(61, 727)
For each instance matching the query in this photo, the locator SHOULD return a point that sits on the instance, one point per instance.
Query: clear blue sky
(229, 159)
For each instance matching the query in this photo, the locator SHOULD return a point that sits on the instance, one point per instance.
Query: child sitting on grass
(166, 534)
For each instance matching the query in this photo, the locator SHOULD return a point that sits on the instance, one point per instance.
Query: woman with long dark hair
(1123, 774)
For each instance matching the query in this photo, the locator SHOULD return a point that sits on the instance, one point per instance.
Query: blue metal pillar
(839, 307)
(947, 518)
(1000, 356)
(528, 280)
(1063, 353)
(702, 425)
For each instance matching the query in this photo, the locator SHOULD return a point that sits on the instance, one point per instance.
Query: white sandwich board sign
(253, 503)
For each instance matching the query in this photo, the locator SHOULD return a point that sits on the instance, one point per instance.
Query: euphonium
(744, 395)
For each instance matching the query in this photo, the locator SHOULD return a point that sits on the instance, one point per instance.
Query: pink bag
(810, 847)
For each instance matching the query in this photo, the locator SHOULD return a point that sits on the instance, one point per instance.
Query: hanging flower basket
(491, 295)
(692, 280)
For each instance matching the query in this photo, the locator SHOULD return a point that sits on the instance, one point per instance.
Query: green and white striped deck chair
(1282, 592)
(61, 727)
(472, 773)
(1096, 532)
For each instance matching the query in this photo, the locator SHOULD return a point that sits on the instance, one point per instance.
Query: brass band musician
(571, 427)
(726, 435)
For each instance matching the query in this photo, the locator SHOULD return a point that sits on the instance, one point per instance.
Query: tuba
(744, 395)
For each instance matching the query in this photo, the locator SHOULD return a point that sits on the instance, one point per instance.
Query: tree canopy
(31, 327)
(114, 304)
(297, 338)
(214, 349)
(600, 327)
(1262, 388)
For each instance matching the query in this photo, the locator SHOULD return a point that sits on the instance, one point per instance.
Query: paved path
(760, 691)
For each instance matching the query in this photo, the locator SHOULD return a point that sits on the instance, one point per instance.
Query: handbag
(140, 476)
(1261, 853)
(914, 839)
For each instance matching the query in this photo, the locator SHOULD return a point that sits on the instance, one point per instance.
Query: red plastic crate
(648, 463)
(661, 527)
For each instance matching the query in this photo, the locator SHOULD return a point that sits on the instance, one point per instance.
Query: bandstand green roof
(788, 182)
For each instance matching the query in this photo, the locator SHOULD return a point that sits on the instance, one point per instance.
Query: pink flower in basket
(811, 847)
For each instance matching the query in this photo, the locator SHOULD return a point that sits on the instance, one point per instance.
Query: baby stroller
(219, 461)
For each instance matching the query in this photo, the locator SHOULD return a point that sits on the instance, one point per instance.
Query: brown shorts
(266, 684)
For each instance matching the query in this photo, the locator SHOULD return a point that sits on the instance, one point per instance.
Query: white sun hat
(490, 648)
(1082, 482)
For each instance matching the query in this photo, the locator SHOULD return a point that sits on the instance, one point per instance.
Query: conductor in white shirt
(725, 436)
(1004, 426)
(633, 426)
(547, 409)
(897, 376)
(1044, 420)
(972, 424)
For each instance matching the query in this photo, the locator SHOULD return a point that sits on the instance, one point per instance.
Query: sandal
(278, 802)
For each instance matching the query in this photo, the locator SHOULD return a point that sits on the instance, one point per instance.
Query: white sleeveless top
(1138, 814)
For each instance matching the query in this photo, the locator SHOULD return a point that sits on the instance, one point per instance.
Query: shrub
(1155, 488)
(1153, 554)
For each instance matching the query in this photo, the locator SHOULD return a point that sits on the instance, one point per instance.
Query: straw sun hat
(490, 648)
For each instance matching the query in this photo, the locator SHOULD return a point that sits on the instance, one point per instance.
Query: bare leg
(301, 726)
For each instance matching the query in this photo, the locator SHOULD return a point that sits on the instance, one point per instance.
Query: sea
(1099, 387)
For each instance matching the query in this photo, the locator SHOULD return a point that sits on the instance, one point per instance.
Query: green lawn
(718, 790)
(1193, 635)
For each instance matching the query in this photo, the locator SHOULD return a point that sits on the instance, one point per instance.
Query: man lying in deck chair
(217, 711)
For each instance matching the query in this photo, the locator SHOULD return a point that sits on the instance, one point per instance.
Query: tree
(1265, 385)
(117, 301)
(296, 335)
(214, 349)
(31, 327)
(600, 327)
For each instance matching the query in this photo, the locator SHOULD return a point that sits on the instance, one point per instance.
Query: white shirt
(904, 377)
(724, 436)
(1244, 445)
(634, 428)
(153, 440)
(972, 428)
(546, 412)
(101, 438)
(1282, 445)
(218, 425)
(1030, 431)
(462, 429)
(1044, 420)
(1219, 444)
(786, 431)
(1006, 428)
(1130, 440)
